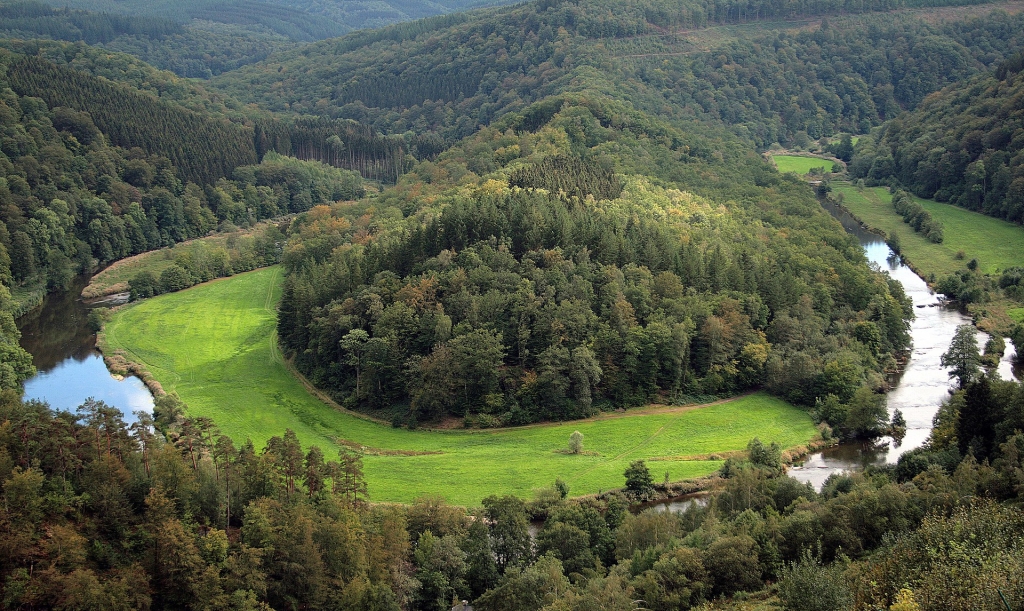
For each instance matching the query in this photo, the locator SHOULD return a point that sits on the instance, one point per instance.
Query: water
(924, 383)
(70, 369)
(678, 504)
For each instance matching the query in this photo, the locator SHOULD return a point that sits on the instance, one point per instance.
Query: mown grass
(799, 164)
(996, 244)
(215, 346)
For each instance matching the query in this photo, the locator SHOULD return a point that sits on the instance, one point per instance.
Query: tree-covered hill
(964, 145)
(193, 49)
(540, 290)
(847, 75)
(295, 19)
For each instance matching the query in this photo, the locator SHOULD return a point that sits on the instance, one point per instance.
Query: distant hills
(964, 145)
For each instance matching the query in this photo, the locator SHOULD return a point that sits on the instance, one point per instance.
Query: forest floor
(216, 346)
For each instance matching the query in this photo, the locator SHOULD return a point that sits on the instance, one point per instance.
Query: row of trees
(916, 216)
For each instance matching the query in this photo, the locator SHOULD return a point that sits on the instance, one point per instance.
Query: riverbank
(996, 245)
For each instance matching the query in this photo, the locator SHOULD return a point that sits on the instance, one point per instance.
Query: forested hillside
(847, 75)
(546, 292)
(88, 177)
(293, 19)
(963, 145)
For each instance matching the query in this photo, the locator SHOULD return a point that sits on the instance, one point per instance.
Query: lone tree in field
(576, 442)
(639, 484)
(963, 356)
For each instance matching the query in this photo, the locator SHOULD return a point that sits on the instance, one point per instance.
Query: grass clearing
(996, 244)
(800, 164)
(215, 345)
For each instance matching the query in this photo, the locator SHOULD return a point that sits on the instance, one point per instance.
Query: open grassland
(215, 346)
(996, 244)
(800, 164)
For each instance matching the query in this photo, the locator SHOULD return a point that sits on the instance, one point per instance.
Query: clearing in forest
(801, 164)
(215, 345)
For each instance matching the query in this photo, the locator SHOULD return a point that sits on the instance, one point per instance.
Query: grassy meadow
(215, 345)
(800, 164)
(995, 243)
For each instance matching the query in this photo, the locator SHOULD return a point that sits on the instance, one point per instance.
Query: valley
(432, 311)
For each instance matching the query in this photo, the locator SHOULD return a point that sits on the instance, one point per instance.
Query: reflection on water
(924, 383)
(678, 504)
(70, 368)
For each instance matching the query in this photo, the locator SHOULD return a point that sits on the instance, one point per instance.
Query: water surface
(70, 369)
(921, 387)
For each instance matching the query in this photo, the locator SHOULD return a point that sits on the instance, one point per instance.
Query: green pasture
(996, 244)
(799, 164)
(215, 346)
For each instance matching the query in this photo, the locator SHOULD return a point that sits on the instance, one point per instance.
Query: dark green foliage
(639, 484)
(977, 419)
(498, 62)
(765, 457)
(570, 176)
(960, 147)
(201, 148)
(917, 217)
(509, 530)
(15, 363)
(807, 585)
(43, 21)
(963, 357)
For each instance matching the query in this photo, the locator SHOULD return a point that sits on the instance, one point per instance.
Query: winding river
(923, 384)
(71, 369)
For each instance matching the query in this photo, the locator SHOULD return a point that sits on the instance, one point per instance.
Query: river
(922, 385)
(70, 369)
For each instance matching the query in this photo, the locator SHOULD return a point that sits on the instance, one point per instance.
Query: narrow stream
(70, 369)
(924, 383)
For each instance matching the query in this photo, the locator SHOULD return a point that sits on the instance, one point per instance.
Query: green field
(800, 165)
(996, 244)
(215, 345)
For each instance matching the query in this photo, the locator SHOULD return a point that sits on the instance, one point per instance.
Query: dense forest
(72, 199)
(556, 293)
(771, 86)
(97, 514)
(296, 20)
(963, 145)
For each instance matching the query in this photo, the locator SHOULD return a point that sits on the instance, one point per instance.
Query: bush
(174, 278)
(808, 586)
(576, 442)
(142, 286)
(639, 484)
